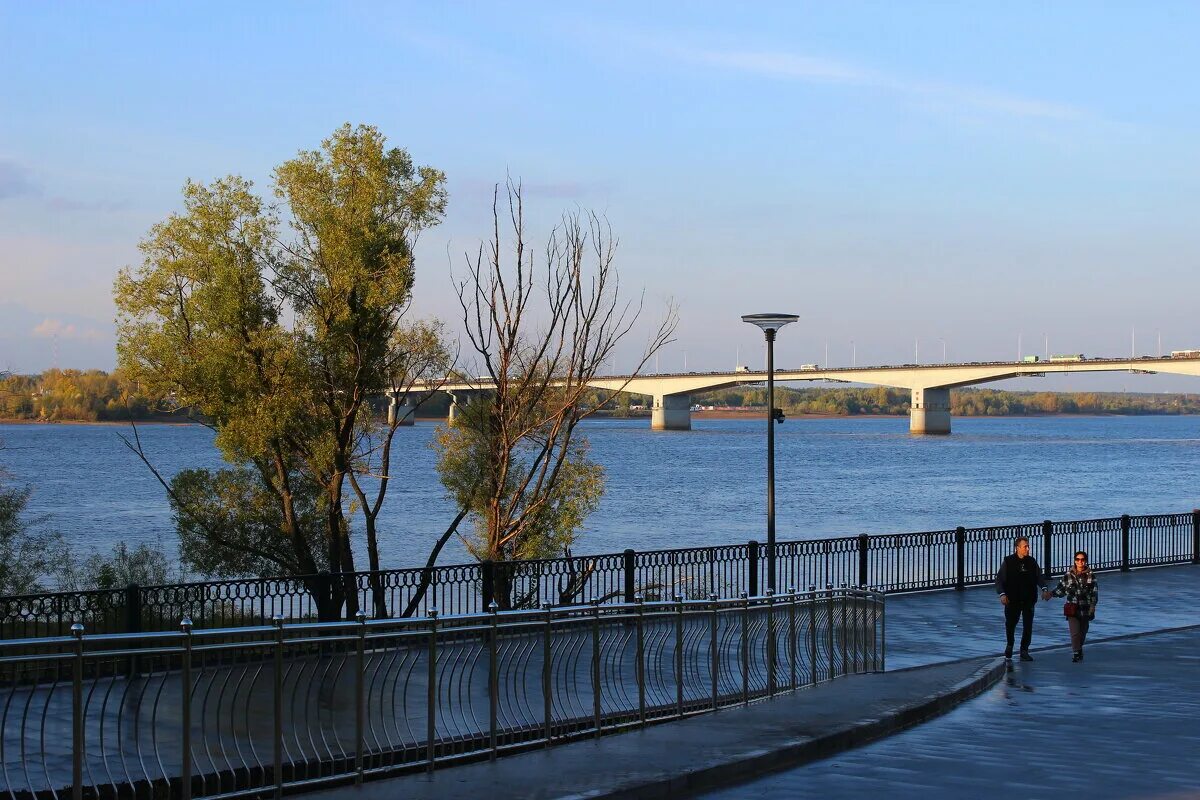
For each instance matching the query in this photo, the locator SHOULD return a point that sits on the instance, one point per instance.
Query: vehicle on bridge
(1185, 354)
(1031, 359)
(809, 367)
(1067, 357)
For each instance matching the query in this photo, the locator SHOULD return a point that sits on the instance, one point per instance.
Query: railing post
(431, 694)
(277, 705)
(745, 650)
(678, 656)
(792, 644)
(876, 635)
(630, 570)
(770, 643)
(1196, 536)
(596, 695)
(185, 711)
(1124, 543)
(855, 627)
(493, 676)
(752, 566)
(1047, 552)
(960, 558)
(77, 712)
(360, 698)
(845, 628)
(812, 634)
(864, 547)
(487, 574)
(882, 631)
(133, 620)
(640, 672)
(547, 666)
(716, 653)
(829, 614)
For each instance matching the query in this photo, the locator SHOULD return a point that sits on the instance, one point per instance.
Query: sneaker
(1008, 654)
(1025, 656)
(1076, 657)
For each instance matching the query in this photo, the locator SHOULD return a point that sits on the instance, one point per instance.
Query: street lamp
(770, 323)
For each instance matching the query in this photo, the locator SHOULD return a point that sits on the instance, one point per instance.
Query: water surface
(677, 489)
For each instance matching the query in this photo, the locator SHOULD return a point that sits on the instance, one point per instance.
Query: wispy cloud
(50, 328)
(809, 69)
(16, 181)
(68, 204)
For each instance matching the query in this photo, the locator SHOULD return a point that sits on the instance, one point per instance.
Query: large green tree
(276, 323)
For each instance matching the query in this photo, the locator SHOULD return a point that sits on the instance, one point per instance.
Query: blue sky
(890, 172)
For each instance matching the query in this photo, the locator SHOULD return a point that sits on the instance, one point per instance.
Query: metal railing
(252, 711)
(945, 559)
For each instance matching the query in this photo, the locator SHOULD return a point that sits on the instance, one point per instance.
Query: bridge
(930, 384)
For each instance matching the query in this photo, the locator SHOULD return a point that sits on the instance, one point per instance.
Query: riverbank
(715, 414)
(106, 422)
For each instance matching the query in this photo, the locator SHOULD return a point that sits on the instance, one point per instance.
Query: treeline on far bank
(97, 396)
(93, 395)
(71, 395)
(970, 402)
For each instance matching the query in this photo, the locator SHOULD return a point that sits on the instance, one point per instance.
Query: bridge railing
(247, 711)
(902, 562)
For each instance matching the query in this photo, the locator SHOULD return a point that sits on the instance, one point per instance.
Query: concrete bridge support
(672, 412)
(456, 399)
(400, 408)
(930, 411)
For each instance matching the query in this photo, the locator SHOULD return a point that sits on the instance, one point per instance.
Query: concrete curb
(797, 752)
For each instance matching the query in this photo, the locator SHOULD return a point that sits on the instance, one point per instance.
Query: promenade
(1126, 716)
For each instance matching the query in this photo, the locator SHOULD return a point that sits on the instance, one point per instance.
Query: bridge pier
(399, 408)
(930, 411)
(454, 409)
(671, 412)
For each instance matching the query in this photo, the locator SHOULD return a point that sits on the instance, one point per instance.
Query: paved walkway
(1142, 696)
(1125, 723)
(930, 627)
(703, 751)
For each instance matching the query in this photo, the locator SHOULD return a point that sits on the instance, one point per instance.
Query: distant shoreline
(109, 422)
(757, 414)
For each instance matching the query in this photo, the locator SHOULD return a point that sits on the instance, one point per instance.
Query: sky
(906, 177)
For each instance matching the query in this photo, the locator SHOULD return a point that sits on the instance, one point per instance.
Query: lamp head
(770, 322)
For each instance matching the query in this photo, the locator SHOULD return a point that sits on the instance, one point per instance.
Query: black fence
(947, 559)
(258, 711)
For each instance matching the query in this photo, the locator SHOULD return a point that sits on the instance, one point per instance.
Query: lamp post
(770, 323)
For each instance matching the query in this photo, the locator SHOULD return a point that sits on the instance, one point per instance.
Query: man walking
(1017, 583)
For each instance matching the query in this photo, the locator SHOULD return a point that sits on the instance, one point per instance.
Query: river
(676, 489)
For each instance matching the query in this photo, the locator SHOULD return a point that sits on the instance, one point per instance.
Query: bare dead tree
(543, 329)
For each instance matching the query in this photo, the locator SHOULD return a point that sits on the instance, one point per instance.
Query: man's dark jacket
(1020, 579)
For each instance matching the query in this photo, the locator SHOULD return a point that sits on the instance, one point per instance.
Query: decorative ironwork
(894, 562)
(240, 711)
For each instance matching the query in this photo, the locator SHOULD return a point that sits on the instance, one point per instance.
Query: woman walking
(1078, 586)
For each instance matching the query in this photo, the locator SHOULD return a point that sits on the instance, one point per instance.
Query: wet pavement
(1124, 723)
(931, 627)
